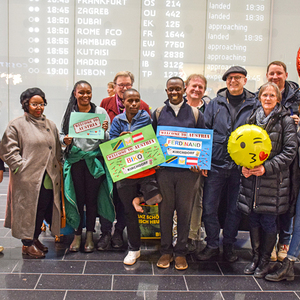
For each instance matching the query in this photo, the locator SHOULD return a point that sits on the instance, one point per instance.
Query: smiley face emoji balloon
(249, 146)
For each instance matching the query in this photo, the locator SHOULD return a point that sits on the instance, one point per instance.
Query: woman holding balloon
(265, 188)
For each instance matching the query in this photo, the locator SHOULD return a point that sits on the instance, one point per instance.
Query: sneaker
(164, 261)
(273, 254)
(117, 239)
(191, 246)
(207, 253)
(180, 263)
(229, 253)
(104, 241)
(282, 252)
(131, 257)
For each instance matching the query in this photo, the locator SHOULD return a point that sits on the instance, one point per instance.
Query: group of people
(31, 147)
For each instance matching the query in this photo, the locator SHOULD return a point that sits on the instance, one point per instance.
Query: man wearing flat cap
(229, 110)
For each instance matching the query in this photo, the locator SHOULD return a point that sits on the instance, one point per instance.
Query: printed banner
(132, 153)
(86, 125)
(185, 147)
(149, 222)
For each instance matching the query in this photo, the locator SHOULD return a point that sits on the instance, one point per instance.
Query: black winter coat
(270, 193)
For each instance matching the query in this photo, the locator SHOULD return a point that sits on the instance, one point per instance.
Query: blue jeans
(294, 249)
(285, 228)
(213, 185)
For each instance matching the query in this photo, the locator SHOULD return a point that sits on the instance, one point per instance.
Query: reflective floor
(102, 275)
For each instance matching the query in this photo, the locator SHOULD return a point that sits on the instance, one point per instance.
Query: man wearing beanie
(229, 110)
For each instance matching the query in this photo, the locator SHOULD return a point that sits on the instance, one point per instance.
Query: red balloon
(298, 62)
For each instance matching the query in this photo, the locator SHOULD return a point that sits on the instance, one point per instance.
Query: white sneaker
(131, 257)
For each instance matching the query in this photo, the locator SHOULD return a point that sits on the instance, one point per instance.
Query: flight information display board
(54, 43)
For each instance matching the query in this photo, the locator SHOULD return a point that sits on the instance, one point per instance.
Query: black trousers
(44, 212)
(86, 189)
(106, 225)
(177, 189)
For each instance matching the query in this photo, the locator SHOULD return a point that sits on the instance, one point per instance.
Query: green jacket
(105, 200)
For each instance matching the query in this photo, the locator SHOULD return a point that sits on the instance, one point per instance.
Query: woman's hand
(246, 172)
(258, 170)
(68, 140)
(105, 125)
(1, 175)
(124, 132)
(196, 169)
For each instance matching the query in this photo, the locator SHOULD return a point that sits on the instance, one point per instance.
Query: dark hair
(277, 63)
(266, 85)
(28, 94)
(70, 107)
(175, 78)
(194, 76)
(130, 90)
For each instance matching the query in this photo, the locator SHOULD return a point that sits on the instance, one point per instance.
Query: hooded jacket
(217, 117)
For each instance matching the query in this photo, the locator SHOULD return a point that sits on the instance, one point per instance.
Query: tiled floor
(102, 275)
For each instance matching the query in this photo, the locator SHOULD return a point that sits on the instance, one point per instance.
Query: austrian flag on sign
(137, 137)
(192, 160)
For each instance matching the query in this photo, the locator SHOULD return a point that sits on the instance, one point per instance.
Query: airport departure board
(54, 43)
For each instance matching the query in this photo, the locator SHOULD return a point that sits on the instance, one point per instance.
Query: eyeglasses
(236, 78)
(121, 85)
(35, 105)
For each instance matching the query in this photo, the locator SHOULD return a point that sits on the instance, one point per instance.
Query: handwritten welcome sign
(86, 125)
(185, 147)
(132, 153)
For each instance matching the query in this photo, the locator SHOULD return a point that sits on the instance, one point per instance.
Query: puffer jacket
(291, 96)
(270, 193)
(217, 117)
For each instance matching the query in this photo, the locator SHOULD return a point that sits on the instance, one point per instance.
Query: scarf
(262, 119)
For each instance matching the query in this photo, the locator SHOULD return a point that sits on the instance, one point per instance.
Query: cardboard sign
(185, 147)
(132, 153)
(86, 125)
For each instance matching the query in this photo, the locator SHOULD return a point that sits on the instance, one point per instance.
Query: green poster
(132, 153)
(86, 125)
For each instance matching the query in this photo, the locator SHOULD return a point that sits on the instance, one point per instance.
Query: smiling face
(83, 94)
(34, 107)
(175, 90)
(268, 99)
(195, 89)
(123, 83)
(235, 83)
(277, 75)
(249, 146)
